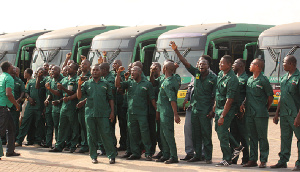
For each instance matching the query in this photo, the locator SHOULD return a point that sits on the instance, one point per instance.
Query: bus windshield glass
(125, 57)
(110, 44)
(273, 71)
(280, 41)
(56, 57)
(192, 57)
(52, 43)
(8, 57)
(7, 46)
(180, 42)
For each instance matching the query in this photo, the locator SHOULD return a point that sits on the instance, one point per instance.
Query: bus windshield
(56, 57)
(125, 57)
(192, 57)
(275, 71)
(52, 43)
(8, 57)
(7, 46)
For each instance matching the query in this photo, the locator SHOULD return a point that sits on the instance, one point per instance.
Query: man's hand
(80, 81)
(81, 104)
(157, 114)
(31, 101)
(46, 102)
(183, 104)
(276, 118)
(111, 116)
(176, 65)
(66, 99)
(68, 56)
(40, 73)
(82, 57)
(210, 115)
(127, 74)
(177, 118)
(297, 121)
(100, 60)
(47, 85)
(220, 121)
(121, 68)
(242, 108)
(19, 100)
(55, 103)
(59, 86)
(173, 45)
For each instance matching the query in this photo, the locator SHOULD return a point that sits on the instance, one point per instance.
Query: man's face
(135, 73)
(236, 65)
(224, 65)
(286, 65)
(203, 66)
(46, 67)
(155, 68)
(14, 71)
(115, 65)
(253, 66)
(85, 66)
(55, 72)
(65, 71)
(96, 72)
(71, 69)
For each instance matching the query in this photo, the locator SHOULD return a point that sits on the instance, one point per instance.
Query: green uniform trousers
(83, 132)
(31, 122)
(16, 115)
(55, 118)
(223, 135)
(49, 129)
(239, 134)
(152, 129)
(158, 139)
(1, 149)
(99, 129)
(287, 127)
(167, 137)
(258, 133)
(68, 129)
(202, 133)
(139, 130)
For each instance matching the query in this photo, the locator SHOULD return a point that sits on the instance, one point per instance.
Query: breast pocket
(223, 88)
(258, 90)
(293, 87)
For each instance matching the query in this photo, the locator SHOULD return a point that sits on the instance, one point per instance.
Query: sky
(20, 15)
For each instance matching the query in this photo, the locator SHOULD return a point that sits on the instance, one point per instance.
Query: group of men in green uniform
(84, 106)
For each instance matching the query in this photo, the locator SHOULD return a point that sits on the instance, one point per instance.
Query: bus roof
(19, 36)
(285, 29)
(71, 31)
(128, 32)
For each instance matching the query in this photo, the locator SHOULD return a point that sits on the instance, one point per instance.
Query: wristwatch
(221, 116)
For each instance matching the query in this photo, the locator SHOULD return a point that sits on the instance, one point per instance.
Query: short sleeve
(170, 92)
(10, 83)
(83, 89)
(22, 86)
(267, 87)
(151, 91)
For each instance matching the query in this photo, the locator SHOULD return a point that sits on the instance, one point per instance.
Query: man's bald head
(137, 68)
(291, 59)
(260, 63)
(169, 66)
(138, 63)
(86, 61)
(104, 66)
(56, 68)
(119, 62)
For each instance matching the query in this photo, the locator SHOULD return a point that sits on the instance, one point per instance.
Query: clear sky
(20, 15)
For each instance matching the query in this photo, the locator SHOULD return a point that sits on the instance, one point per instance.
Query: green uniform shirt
(204, 91)
(6, 81)
(53, 85)
(36, 94)
(49, 107)
(290, 93)
(242, 87)
(138, 94)
(167, 93)
(257, 93)
(19, 87)
(98, 96)
(70, 84)
(110, 78)
(119, 96)
(87, 75)
(227, 88)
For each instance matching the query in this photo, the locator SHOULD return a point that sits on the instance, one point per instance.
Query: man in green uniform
(68, 121)
(288, 107)
(55, 98)
(259, 97)
(19, 92)
(34, 92)
(238, 128)
(85, 68)
(139, 92)
(225, 105)
(99, 113)
(6, 101)
(202, 103)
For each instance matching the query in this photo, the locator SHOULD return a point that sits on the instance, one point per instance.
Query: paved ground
(39, 159)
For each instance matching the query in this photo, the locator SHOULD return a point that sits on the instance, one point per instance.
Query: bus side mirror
(245, 54)
(215, 53)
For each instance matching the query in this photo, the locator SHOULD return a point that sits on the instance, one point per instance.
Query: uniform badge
(294, 82)
(211, 82)
(104, 87)
(197, 76)
(259, 86)
(145, 88)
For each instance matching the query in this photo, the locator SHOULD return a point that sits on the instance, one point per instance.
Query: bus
(273, 45)
(18, 47)
(215, 40)
(128, 45)
(52, 47)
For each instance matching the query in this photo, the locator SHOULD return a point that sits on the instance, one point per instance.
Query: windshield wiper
(166, 55)
(292, 51)
(2, 55)
(156, 58)
(44, 56)
(114, 56)
(51, 55)
(184, 54)
(274, 57)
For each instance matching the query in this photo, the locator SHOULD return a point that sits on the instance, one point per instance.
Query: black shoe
(148, 158)
(66, 149)
(278, 165)
(162, 159)
(158, 155)
(132, 157)
(12, 154)
(121, 149)
(72, 150)
(194, 159)
(296, 168)
(126, 155)
(3, 143)
(81, 151)
(187, 157)
(112, 160)
(171, 161)
(28, 144)
(94, 161)
(55, 150)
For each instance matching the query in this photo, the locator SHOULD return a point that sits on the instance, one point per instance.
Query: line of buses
(150, 43)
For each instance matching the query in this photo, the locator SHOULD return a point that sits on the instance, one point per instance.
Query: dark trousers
(7, 123)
